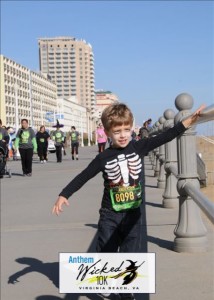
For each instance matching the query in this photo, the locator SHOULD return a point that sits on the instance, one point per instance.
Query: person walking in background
(149, 123)
(42, 138)
(144, 130)
(101, 138)
(4, 136)
(4, 140)
(12, 136)
(58, 138)
(26, 144)
(74, 142)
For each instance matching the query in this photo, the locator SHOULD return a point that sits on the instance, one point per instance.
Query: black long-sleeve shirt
(4, 135)
(122, 171)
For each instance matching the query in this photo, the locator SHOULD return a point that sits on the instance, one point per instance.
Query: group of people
(27, 142)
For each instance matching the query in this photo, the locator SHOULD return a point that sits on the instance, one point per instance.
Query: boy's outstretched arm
(194, 117)
(58, 205)
(89, 172)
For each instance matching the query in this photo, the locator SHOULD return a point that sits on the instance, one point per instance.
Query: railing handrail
(206, 115)
(183, 182)
(173, 170)
(199, 198)
(207, 139)
(202, 201)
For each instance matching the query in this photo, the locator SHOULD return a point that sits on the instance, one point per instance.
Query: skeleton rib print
(123, 167)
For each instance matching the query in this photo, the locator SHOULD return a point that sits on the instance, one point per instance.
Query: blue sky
(146, 52)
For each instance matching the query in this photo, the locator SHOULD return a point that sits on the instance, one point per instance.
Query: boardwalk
(31, 237)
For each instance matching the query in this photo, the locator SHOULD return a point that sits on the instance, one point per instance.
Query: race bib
(42, 140)
(123, 198)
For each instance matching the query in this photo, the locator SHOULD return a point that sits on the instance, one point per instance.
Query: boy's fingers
(198, 111)
(58, 207)
(54, 210)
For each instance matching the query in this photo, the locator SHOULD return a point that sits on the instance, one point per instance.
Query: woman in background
(42, 138)
(101, 138)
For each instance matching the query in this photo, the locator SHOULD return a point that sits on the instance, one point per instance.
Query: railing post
(190, 231)
(170, 195)
(161, 177)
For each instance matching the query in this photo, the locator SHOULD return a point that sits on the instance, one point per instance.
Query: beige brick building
(24, 94)
(104, 99)
(70, 63)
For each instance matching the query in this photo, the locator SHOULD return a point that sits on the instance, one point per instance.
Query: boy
(121, 164)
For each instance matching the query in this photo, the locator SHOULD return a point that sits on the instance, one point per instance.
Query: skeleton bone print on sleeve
(123, 166)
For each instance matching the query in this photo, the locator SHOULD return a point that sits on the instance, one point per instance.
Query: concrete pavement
(31, 237)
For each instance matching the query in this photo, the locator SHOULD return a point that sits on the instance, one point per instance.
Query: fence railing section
(181, 180)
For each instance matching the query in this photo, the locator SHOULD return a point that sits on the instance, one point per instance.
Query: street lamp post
(16, 86)
(89, 136)
(41, 110)
(17, 110)
(82, 144)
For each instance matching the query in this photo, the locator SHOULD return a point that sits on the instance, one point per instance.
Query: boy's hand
(193, 118)
(58, 205)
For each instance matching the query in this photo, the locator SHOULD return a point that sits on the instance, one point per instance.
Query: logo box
(107, 273)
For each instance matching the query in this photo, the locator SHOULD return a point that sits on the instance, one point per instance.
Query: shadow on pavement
(51, 270)
(151, 186)
(154, 204)
(17, 174)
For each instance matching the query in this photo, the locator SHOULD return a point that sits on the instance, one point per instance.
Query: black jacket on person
(42, 138)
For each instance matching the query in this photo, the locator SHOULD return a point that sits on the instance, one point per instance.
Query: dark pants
(26, 158)
(59, 153)
(42, 152)
(101, 147)
(119, 230)
(74, 148)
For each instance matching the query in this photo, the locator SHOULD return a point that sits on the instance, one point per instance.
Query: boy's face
(120, 135)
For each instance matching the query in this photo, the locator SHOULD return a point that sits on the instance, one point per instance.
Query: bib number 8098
(124, 197)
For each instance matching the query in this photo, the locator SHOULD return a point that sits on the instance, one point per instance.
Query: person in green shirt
(74, 142)
(58, 138)
(26, 143)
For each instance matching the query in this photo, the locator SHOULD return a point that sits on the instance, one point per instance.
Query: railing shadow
(154, 204)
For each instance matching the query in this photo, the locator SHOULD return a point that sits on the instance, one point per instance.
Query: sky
(146, 52)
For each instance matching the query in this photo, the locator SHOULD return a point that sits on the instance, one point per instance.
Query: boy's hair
(116, 114)
(73, 127)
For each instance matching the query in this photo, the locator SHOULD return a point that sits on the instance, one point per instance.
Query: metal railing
(207, 139)
(182, 181)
